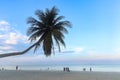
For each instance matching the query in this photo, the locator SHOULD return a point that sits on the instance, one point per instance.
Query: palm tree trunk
(17, 53)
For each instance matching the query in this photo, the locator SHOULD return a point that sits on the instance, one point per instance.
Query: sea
(97, 68)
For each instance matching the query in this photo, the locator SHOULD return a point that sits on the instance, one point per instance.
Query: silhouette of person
(16, 67)
(84, 69)
(90, 69)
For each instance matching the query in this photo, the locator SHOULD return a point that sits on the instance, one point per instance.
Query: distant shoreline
(59, 71)
(95, 68)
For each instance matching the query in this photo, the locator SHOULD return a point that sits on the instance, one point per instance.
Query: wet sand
(57, 75)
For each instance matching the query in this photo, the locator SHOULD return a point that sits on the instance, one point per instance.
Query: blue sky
(93, 39)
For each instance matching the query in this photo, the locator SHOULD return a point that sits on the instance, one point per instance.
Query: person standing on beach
(90, 69)
(16, 67)
(84, 69)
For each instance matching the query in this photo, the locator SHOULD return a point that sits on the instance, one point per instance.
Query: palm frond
(32, 21)
(41, 15)
(57, 43)
(32, 30)
(58, 19)
(59, 39)
(64, 23)
(36, 35)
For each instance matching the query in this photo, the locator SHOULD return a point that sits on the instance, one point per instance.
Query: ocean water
(100, 68)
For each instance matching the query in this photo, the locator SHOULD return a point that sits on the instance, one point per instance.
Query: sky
(93, 39)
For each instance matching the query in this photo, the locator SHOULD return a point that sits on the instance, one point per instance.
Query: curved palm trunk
(17, 53)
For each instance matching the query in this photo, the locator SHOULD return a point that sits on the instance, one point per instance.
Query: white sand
(58, 75)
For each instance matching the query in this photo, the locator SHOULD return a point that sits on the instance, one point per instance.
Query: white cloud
(73, 50)
(14, 38)
(4, 26)
(10, 37)
(42, 59)
(117, 50)
(24, 60)
(79, 49)
(92, 54)
(83, 53)
(5, 47)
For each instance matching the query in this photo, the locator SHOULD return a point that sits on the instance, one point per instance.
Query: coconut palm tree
(46, 31)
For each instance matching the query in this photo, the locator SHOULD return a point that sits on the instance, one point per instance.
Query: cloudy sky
(93, 39)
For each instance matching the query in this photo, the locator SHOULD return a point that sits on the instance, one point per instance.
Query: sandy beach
(58, 75)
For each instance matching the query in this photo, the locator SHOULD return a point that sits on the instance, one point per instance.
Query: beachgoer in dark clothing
(16, 67)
